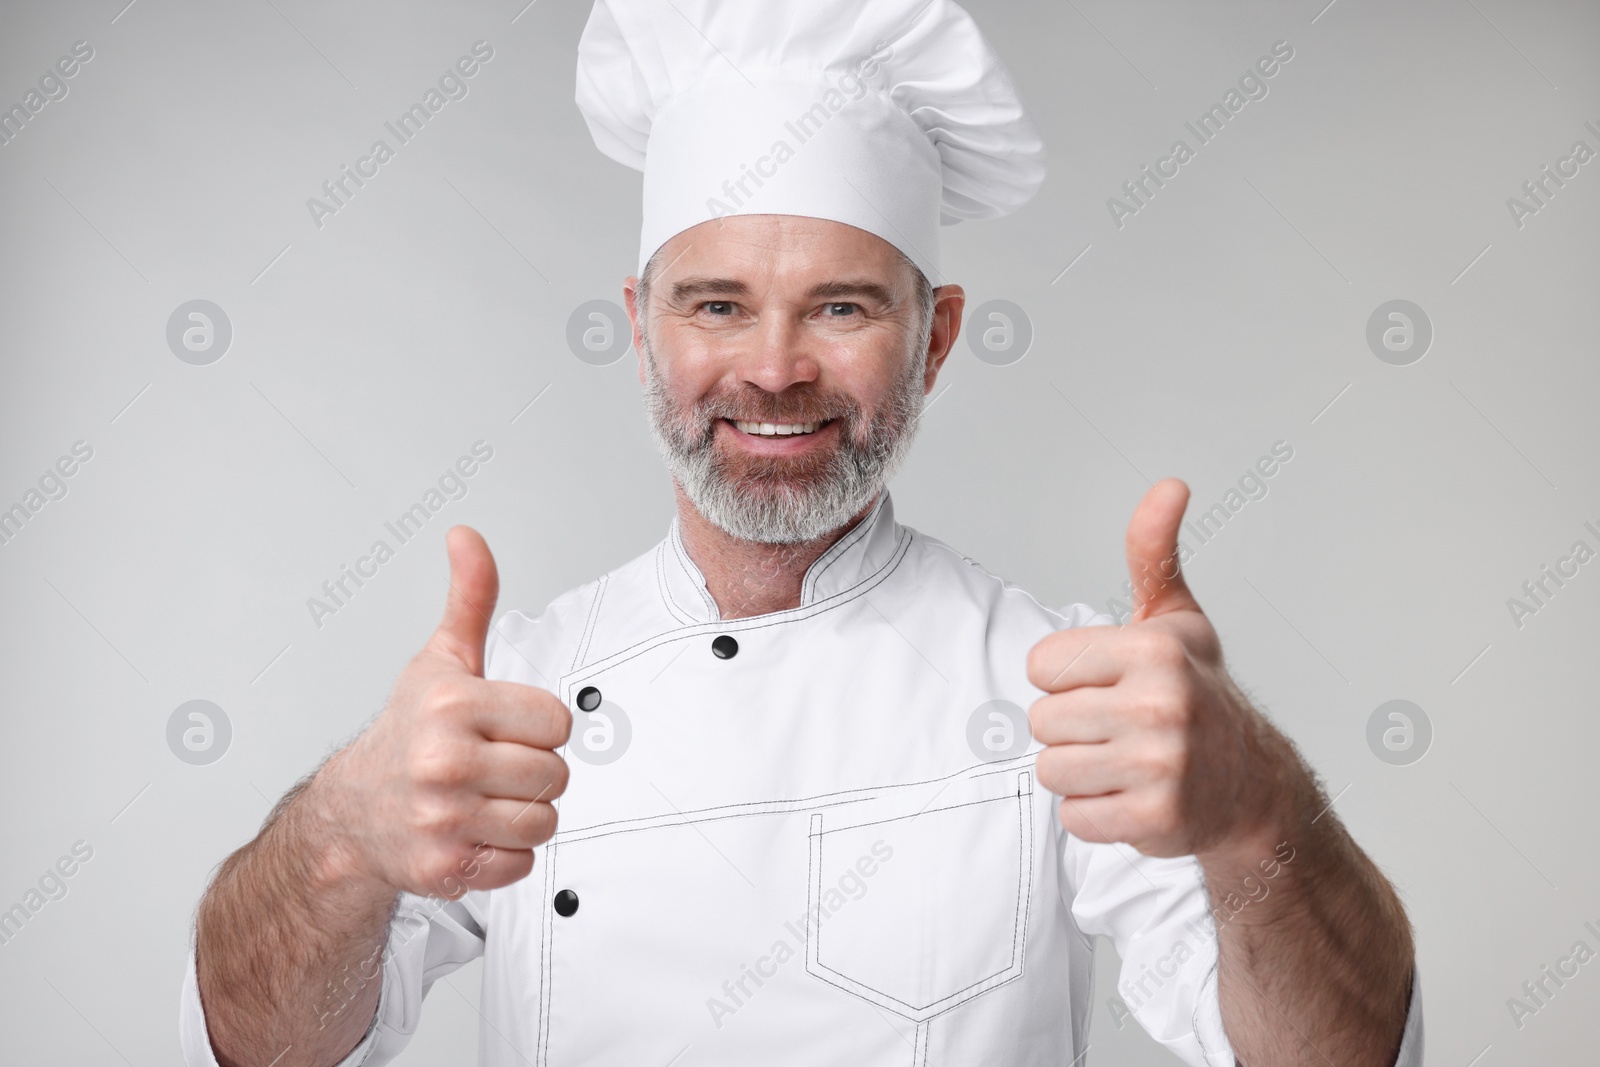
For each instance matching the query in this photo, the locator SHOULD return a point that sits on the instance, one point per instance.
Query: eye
(832, 308)
(718, 307)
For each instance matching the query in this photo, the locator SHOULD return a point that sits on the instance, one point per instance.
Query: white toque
(893, 116)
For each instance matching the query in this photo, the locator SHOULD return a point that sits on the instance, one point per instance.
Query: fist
(450, 788)
(1148, 739)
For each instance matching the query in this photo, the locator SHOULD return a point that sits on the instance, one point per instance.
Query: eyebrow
(881, 294)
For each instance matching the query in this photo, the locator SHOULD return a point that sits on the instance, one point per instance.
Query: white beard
(771, 504)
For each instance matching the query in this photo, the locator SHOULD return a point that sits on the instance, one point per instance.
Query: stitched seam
(542, 1052)
(666, 822)
(899, 1007)
(808, 587)
(666, 590)
(928, 811)
(814, 893)
(966, 993)
(758, 622)
(690, 570)
(778, 807)
(1011, 759)
(1024, 875)
(590, 623)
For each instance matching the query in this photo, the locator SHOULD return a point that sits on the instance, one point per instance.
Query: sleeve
(1411, 1038)
(428, 938)
(1157, 913)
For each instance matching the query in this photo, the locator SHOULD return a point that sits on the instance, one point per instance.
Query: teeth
(776, 429)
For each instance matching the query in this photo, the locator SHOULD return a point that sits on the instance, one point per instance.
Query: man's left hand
(1150, 741)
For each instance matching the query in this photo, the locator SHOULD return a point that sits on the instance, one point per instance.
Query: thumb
(1152, 546)
(469, 607)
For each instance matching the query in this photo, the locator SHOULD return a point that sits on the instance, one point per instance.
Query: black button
(588, 700)
(566, 903)
(724, 647)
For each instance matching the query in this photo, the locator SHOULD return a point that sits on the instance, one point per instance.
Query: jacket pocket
(920, 905)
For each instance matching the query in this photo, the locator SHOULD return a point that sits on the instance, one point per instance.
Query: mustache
(761, 406)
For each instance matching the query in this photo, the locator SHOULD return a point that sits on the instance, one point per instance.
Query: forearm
(1314, 948)
(289, 945)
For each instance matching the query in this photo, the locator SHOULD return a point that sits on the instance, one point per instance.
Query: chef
(802, 784)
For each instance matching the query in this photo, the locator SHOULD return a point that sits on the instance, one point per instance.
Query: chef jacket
(780, 843)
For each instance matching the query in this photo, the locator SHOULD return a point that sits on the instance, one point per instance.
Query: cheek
(873, 376)
(686, 372)
(694, 366)
(872, 366)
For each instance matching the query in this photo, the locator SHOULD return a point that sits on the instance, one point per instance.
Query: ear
(949, 302)
(630, 298)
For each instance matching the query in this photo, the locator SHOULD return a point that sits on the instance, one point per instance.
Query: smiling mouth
(778, 429)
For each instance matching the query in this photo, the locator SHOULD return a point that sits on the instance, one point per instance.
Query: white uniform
(793, 854)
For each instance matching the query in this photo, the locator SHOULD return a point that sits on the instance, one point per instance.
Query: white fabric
(751, 788)
(893, 117)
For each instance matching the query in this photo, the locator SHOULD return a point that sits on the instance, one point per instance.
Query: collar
(864, 550)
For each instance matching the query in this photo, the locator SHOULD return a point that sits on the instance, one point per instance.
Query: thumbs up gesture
(1149, 740)
(450, 788)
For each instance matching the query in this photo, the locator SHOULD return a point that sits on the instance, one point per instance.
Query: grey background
(369, 354)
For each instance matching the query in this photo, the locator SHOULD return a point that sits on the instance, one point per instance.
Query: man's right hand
(454, 763)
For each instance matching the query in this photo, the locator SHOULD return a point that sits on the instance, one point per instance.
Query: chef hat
(893, 116)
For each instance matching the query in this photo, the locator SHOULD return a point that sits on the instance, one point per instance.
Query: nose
(777, 355)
